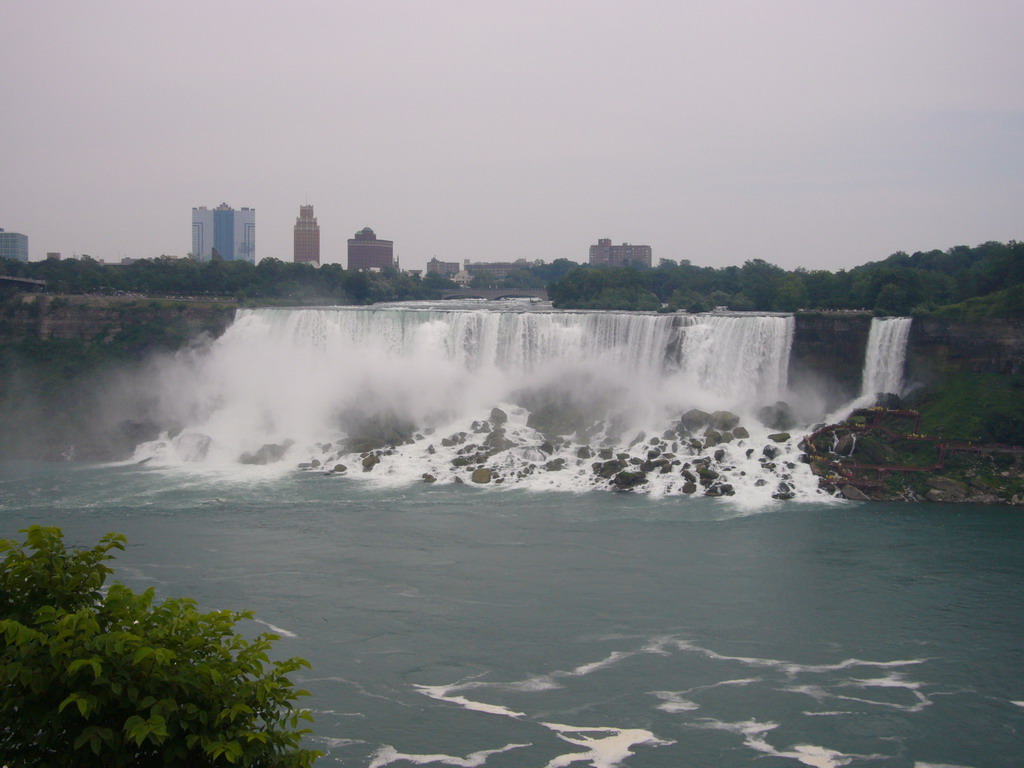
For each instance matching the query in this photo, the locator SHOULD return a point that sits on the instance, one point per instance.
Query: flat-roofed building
(443, 268)
(604, 254)
(13, 245)
(224, 233)
(496, 268)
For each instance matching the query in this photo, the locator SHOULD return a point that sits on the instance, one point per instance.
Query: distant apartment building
(13, 246)
(307, 237)
(365, 251)
(495, 269)
(224, 233)
(442, 268)
(604, 254)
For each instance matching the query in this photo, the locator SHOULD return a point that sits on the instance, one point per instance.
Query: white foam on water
(443, 693)
(609, 660)
(388, 754)
(792, 668)
(275, 629)
(673, 701)
(835, 713)
(605, 751)
(754, 737)
(337, 743)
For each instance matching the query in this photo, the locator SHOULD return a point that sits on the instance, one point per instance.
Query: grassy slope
(969, 406)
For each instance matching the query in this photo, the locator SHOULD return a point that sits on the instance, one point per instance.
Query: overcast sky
(821, 134)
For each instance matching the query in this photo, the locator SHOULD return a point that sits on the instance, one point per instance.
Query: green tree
(91, 677)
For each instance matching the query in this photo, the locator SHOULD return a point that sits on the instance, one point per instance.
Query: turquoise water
(483, 626)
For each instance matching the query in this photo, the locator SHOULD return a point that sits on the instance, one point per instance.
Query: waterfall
(413, 389)
(885, 356)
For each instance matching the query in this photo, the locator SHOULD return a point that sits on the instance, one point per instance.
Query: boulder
(609, 468)
(740, 433)
(723, 420)
(935, 494)
(268, 453)
(429, 478)
(779, 416)
(711, 438)
(497, 441)
(584, 452)
(340, 468)
(953, 489)
(626, 480)
(853, 493)
(481, 475)
(555, 465)
(498, 416)
(771, 451)
(547, 447)
(370, 431)
(689, 487)
(779, 437)
(694, 419)
(370, 462)
(845, 445)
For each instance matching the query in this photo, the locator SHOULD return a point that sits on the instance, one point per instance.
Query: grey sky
(815, 134)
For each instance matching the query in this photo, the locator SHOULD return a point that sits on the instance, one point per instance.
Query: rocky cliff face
(107, 319)
(986, 346)
(828, 354)
(829, 348)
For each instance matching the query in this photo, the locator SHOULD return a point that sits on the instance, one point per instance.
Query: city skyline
(807, 134)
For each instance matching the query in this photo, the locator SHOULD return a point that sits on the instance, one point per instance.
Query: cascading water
(569, 400)
(885, 356)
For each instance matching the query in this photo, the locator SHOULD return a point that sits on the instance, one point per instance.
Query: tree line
(268, 280)
(970, 282)
(950, 282)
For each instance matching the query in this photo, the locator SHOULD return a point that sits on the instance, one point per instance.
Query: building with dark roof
(365, 251)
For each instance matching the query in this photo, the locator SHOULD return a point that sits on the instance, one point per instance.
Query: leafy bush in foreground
(91, 677)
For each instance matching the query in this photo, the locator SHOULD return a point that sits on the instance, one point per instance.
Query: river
(492, 626)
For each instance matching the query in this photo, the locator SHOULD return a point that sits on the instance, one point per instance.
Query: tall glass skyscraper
(13, 245)
(224, 232)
